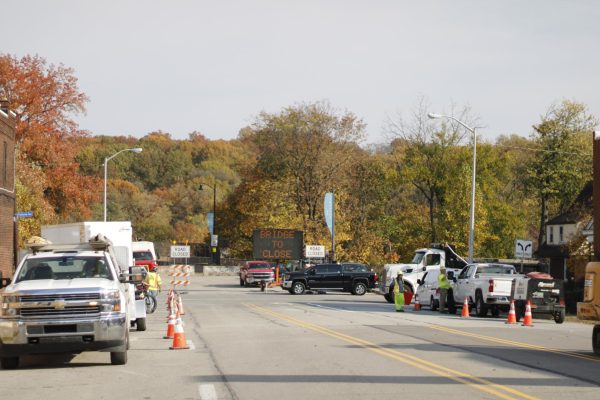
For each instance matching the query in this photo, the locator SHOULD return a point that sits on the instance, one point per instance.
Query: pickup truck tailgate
(501, 286)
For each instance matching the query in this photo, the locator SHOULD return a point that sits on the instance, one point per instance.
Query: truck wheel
(118, 357)
(9, 362)
(559, 316)
(390, 296)
(595, 340)
(480, 308)
(433, 304)
(140, 324)
(298, 288)
(359, 289)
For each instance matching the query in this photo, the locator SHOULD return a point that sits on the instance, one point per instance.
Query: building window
(560, 234)
(551, 228)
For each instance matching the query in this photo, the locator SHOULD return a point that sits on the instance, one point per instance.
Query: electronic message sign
(277, 244)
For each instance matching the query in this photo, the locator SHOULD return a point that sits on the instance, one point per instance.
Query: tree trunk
(543, 220)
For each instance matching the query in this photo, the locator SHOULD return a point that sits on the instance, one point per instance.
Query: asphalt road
(246, 344)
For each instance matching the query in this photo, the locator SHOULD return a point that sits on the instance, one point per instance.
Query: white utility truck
(485, 286)
(65, 299)
(120, 233)
(424, 260)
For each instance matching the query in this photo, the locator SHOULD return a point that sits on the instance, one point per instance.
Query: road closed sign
(180, 251)
(314, 251)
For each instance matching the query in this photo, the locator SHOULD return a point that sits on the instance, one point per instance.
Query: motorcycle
(149, 299)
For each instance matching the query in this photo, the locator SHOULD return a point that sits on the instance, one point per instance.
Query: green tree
(563, 160)
(308, 147)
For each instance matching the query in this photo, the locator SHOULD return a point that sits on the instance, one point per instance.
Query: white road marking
(207, 392)
(191, 344)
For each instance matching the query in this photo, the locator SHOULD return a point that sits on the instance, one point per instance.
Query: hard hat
(399, 273)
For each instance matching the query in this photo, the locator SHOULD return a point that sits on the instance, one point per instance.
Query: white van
(428, 292)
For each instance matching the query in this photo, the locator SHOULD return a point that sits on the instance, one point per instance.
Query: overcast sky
(211, 66)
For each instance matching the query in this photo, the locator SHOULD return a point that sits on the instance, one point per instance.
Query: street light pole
(106, 160)
(214, 253)
(473, 173)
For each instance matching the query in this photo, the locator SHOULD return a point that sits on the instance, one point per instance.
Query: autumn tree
(307, 146)
(45, 98)
(562, 162)
(427, 157)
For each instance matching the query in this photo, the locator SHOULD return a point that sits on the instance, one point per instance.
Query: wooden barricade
(179, 274)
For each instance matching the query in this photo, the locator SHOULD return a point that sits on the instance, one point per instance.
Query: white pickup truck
(485, 286)
(65, 299)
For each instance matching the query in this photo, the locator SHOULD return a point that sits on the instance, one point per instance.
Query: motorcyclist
(154, 281)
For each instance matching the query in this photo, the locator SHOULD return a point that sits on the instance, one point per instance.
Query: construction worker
(399, 292)
(443, 285)
(153, 281)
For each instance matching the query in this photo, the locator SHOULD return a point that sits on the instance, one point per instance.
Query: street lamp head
(137, 150)
(434, 116)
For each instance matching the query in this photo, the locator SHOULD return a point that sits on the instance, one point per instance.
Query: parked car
(428, 292)
(256, 272)
(486, 286)
(346, 277)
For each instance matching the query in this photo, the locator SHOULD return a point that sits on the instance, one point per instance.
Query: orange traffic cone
(180, 304)
(465, 309)
(417, 306)
(512, 315)
(169, 298)
(179, 342)
(170, 327)
(527, 319)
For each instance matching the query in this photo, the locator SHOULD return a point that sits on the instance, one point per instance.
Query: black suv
(347, 277)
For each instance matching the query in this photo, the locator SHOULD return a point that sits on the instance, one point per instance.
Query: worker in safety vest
(443, 285)
(153, 281)
(399, 292)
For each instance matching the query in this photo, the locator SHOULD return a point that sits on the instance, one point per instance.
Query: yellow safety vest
(443, 282)
(153, 280)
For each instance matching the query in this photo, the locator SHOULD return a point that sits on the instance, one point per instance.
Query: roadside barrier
(512, 315)
(527, 319)
(465, 309)
(180, 271)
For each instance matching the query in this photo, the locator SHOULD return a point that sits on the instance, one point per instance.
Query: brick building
(7, 190)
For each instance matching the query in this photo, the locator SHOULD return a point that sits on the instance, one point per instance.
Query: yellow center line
(457, 376)
(513, 343)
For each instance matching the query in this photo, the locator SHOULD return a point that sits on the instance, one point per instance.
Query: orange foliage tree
(44, 97)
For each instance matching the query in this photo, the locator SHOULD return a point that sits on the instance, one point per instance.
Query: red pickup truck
(255, 272)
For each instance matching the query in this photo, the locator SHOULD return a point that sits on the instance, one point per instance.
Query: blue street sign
(24, 214)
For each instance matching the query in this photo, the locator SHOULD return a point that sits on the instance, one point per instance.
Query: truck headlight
(111, 301)
(11, 306)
